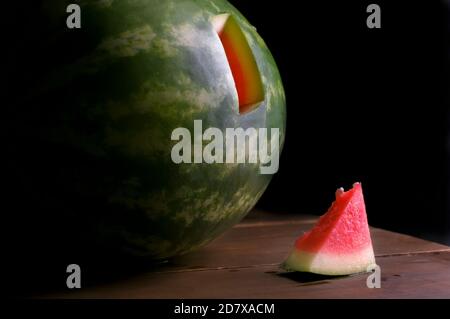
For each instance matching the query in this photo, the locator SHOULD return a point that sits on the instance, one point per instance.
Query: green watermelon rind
(160, 66)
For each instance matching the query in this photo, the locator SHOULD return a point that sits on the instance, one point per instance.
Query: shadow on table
(308, 278)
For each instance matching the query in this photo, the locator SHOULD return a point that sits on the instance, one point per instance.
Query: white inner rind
(330, 264)
(219, 22)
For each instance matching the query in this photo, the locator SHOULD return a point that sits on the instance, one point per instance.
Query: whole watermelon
(90, 117)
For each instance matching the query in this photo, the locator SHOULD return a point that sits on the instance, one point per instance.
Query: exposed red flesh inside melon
(243, 66)
(340, 243)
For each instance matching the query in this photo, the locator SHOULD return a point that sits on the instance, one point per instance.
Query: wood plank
(423, 275)
(244, 263)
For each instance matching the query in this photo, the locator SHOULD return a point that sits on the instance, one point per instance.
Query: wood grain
(244, 263)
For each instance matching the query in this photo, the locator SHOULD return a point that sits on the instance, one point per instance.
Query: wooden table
(244, 263)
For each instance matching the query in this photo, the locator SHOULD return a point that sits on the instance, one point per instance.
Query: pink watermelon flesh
(339, 244)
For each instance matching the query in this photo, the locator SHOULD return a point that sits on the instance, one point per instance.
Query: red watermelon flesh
(340, 243)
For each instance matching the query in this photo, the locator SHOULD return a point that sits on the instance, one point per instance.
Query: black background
(368, 105)
(363, 105)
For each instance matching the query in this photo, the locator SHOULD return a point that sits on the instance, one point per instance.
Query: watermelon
(92, 111)
(340, 243)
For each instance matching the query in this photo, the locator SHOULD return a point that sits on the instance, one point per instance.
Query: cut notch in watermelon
(340, 243)
(244, 68)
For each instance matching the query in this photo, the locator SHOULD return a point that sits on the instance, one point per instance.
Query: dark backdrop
(363, 105)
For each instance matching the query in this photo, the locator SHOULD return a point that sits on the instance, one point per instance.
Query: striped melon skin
(94, 110)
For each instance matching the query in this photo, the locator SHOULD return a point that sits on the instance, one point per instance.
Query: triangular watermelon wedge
(340, 243)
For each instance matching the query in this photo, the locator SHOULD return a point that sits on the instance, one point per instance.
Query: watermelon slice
(339, 244)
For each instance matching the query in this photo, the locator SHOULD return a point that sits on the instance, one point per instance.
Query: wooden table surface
(244, 263)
